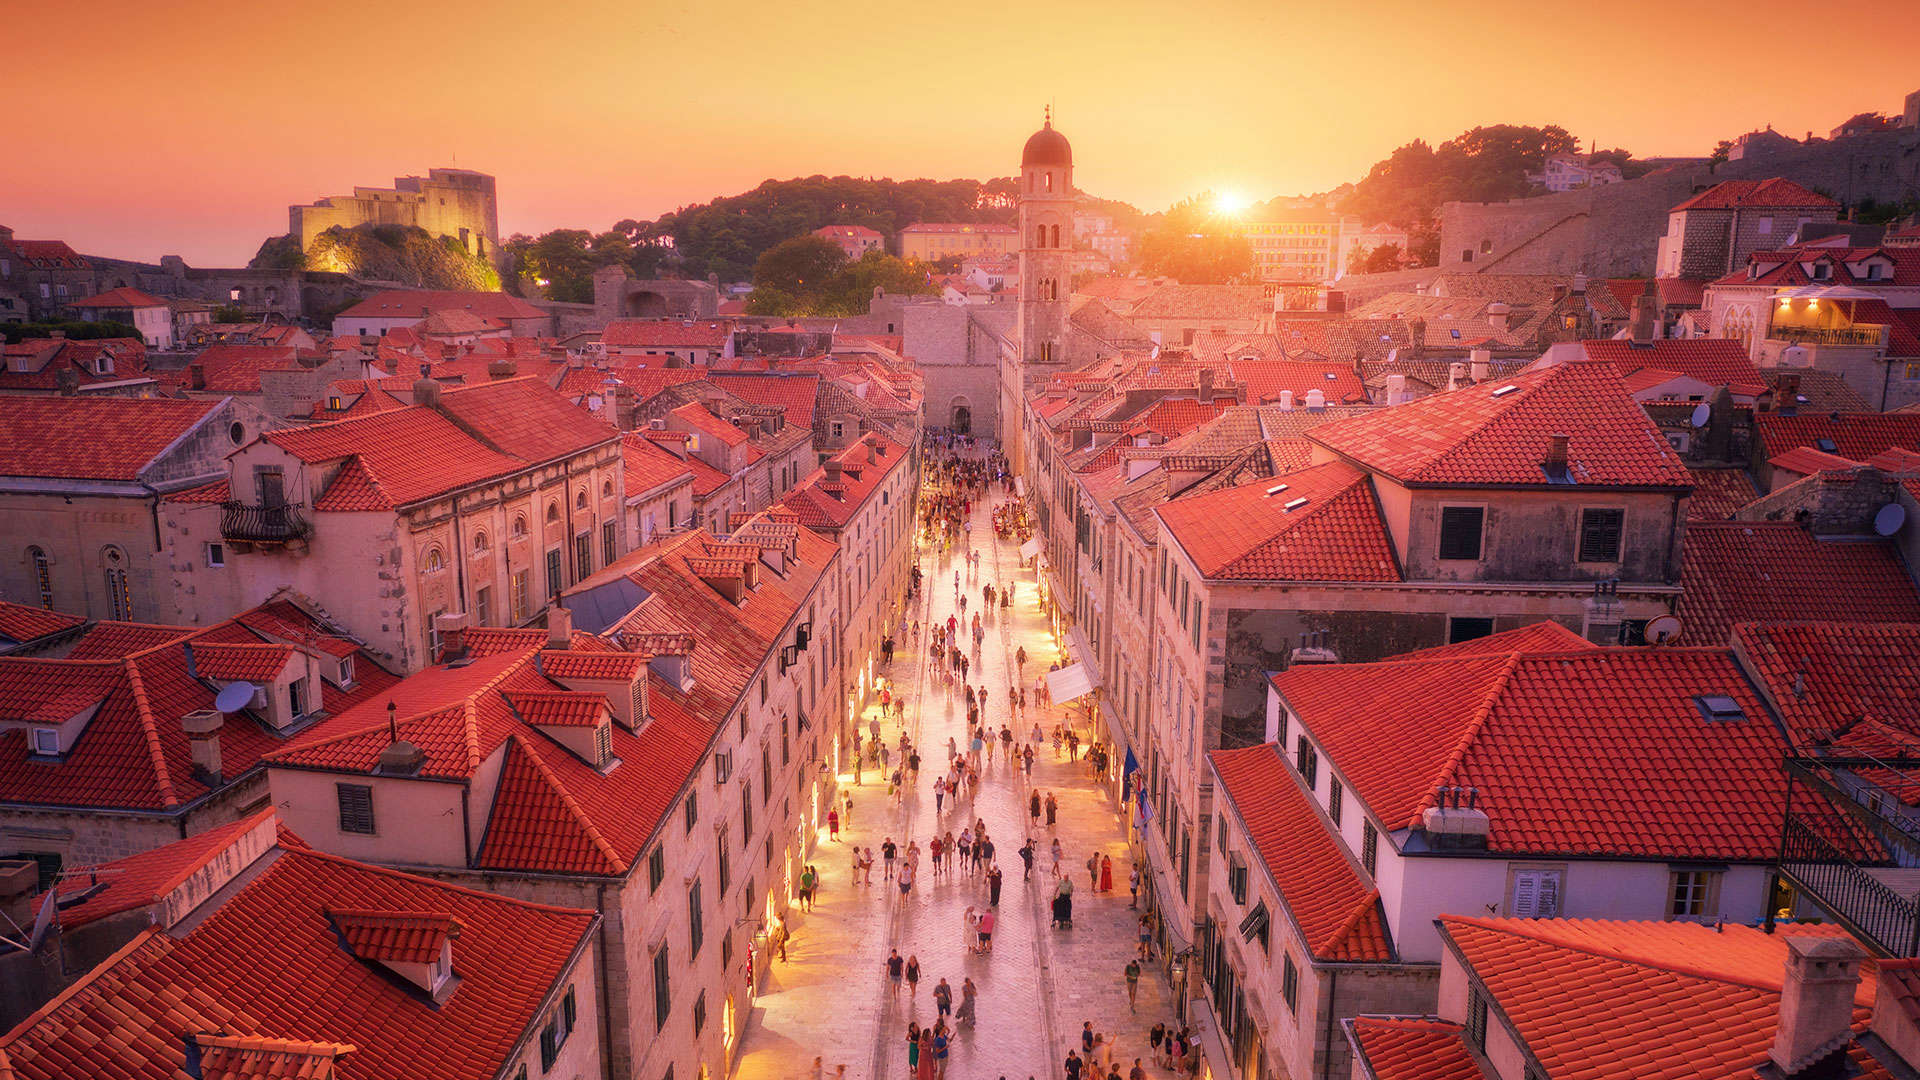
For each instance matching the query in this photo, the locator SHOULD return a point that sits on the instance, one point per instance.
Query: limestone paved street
(830, 997)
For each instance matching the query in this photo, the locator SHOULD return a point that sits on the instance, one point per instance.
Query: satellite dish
(1701, 414)
(1663, 629)
(1889, 519)
(233, 697)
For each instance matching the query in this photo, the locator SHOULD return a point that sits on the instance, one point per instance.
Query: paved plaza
(830, 997)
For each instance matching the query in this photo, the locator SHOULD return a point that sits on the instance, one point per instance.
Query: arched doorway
(962, 417)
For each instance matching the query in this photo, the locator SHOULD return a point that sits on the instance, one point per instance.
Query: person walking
(1133, 984)
(1093, 871)
(1053, 807)
(993, 886)
(887, 852)
(906, 881)
(940, 1043)
(833, 825)
(1146, 935)
(987, 920)
(1133, 887)
(1056, 856)
(1026, 858)
(913, 975)
(895, 966)
(943, 997)
(1033, 806)
(913, 1050)
(1072, 1065)
(1106, 873)
(967, 993)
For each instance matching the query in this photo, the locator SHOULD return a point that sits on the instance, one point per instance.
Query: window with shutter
(1336, 795)
(1460, 528)
(662, 989)
(1477, 1019)
(356, 808)
(1536, 894)
(1600, 534)
(1290, 984)
(1370, 847)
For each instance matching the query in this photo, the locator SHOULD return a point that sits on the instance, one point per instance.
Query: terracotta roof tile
(246, 1057)
(1254, 532)
(1488, 434)
(1718, 493)
(1741, 571)
(228, 662)
(120, 298)
(401, 937)
(1825, 678)
(1855, 436)
(1411, 1048)
(1541, 736)
(1338, 914)
(90, 438)
(1746, 194)
(416, 304)
(1545, 636)
(665, 334)
(21, 623)
(1714, 361)
(140, 880)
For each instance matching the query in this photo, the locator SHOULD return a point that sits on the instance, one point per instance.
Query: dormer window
(103, 364)
(346, 672)
(46, 742)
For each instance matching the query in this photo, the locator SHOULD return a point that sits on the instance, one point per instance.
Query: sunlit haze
(188, 128)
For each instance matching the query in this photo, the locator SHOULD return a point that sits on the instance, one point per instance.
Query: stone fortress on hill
(458, 203)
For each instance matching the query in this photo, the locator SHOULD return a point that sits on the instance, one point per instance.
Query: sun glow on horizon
(1231, 203)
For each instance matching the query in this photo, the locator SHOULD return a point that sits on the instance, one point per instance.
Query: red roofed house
(662, 764)
(150, 315)
(1485, 780)
(114, 367)
(1448, 518)
(679, 342)
(248, 954)
(660, 490)
(395, 308)
(81, 484)
(862, 499)
(283, 381)
(485, 500)
(47, 274)
(753, 444)
(1593, 998)
(111, 744)
(1687, 369)
(928, 241)
(1713, 233)
(1832, 308)
(854, 240)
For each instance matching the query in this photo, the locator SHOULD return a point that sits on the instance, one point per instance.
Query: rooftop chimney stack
(1556, 463)
(203, 738)
(1286, 401)
(1499, 314)
(453, 636)
(1206, 385)
(425, 391)
(1816, 1003)
(1645, 321)
(559, 627)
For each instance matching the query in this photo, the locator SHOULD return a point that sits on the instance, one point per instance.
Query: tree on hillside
(1485, 164)
(811, 276)
(802, 266)
(1192, 244)
(1375, 260)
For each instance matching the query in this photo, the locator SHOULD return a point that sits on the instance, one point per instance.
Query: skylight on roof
(1826, 444)
(1505, 390)
(1455, 333)
(1276, 489)
(1719, 707)
(1295, 505)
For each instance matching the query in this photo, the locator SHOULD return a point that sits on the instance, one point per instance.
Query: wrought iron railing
(1840, 335)
(264, 524)
(1842, 886)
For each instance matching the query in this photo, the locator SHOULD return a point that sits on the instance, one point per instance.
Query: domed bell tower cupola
(1046, 245)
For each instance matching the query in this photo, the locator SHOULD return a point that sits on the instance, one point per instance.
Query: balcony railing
(1837, 335)
(1849, 846)
(245, 523)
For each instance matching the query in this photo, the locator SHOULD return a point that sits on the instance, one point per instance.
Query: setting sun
(1230, 202)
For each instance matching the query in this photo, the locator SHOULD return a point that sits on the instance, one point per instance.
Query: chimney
(1480, 364)
(1499, 314)
(1206, 384)
(1286, 400)
(1396, 389)
(1555, 466)
(1456, 375)
(1316, 400)
(1579, 284)
(1816, 1002)
(452, 628)
(1896, 1026)
(1645, 321)
(203, 738)
(68, 380)
(196, 377)
(57, 335)
(1786, 392)
(832, 467)
(425, 391)
(625, 409)
(559, 627)
(503, 368)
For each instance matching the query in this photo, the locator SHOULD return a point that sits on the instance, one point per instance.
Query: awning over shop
(1069, 683)
(1083, 652)
(1029, 549)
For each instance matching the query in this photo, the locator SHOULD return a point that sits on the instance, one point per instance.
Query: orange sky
(188, 127)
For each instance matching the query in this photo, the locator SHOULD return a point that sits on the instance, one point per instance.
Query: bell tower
(1046, 245)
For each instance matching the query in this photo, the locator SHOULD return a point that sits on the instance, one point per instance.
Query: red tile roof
(703, 421)
(1265, 380)
(665, 334)
(1828, 678)
(958, 227)
(790, 391)
(1337, 913)
(1411, 1048)
(864, 468)
(22, 623)
(416, 304)
(1544, 636)
(1478, 435)
(1856, 436)
(648, 465)
(142, 880)
(1596, 1000)
(1741, 571)
(88, 438)
(1252, 532)
(241, 662)
(1807, 461)
(269, 962)
(400, 937)
(559, 708)
(1718, 493)
(1714, 361)
(235, 369)
(244, 1057)
(120, 298)
(1541, 736)
(1748, 194)
(133, 753)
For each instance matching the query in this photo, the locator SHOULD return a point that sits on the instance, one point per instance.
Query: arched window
(433, 562)
(1039, 236)
(1049, 176)
(42, 575)
(553, 512)
(580, 500)
(1056, 237)
(519, 526)
(606, 489)
(479, 542)
(113, 563)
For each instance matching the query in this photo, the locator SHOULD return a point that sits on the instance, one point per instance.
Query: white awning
(1073, 681)
(1083, 652)
(1029, 549)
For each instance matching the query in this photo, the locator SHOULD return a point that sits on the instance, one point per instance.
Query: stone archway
(962, 416)
(644, 304)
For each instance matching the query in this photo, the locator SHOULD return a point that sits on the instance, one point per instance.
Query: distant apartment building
(1713, 233)
(1311, 244)
(456, 203)
(149, 315)
(395, 309)
(853, 240)
(46, 275)
(928, 241)
(1565, 172)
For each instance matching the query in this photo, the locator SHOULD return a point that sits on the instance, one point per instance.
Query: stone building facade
(456, 203)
